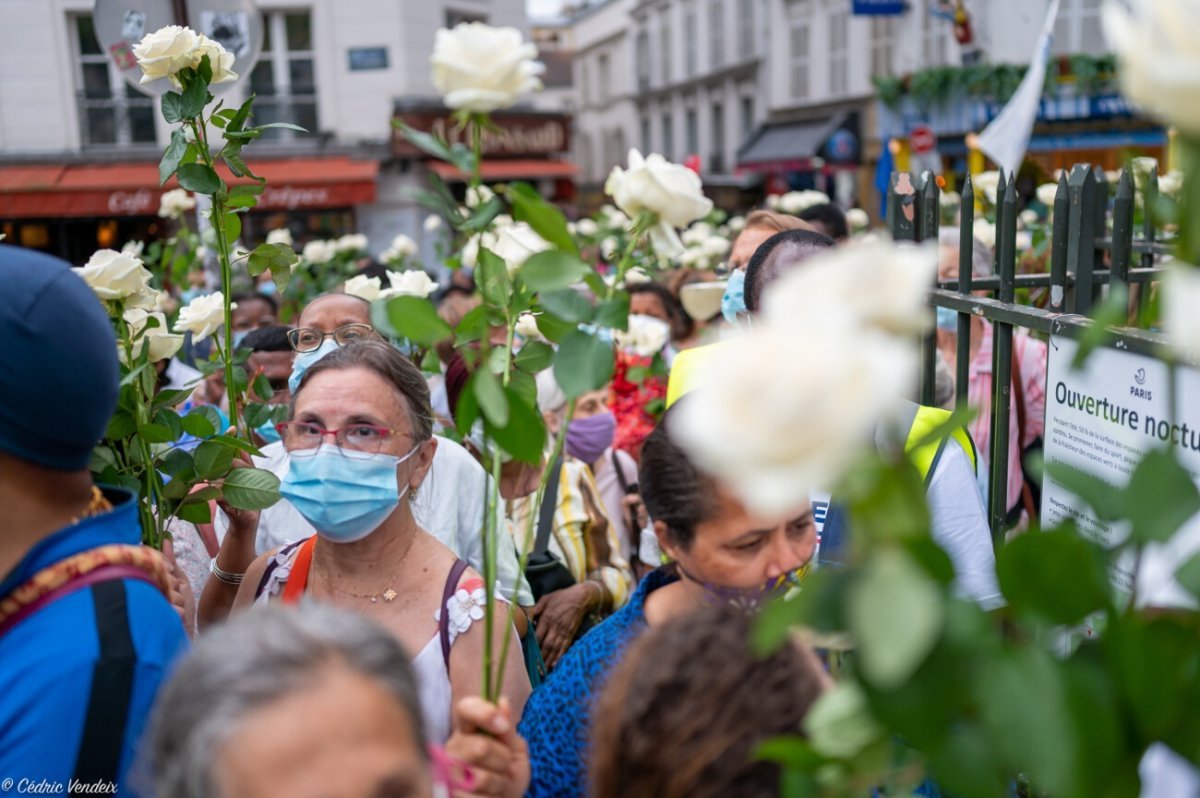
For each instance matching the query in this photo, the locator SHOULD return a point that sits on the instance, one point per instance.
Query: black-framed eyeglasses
(307, 339)
(365, 438)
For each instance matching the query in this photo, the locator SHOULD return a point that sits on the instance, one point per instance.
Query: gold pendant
(389, 595)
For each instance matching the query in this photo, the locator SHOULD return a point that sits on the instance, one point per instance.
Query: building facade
(79, 147)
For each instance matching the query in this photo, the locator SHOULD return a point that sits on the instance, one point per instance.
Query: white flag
(1007, 137)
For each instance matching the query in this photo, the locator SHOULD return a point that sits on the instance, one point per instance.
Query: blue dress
(558, 715)
(51, 661)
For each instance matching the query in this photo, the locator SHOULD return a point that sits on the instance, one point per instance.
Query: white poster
(1102, 419)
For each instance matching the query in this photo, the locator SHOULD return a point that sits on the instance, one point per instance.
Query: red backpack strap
(297, 582)
(456, 572)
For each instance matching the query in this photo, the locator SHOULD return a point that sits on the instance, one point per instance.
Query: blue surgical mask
(269, 288)
(733, 302)
(947, 320)
(268, 432)
(345, 496)
(304, 361)
(239, 336)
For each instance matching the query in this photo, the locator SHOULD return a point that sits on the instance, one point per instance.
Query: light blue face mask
(947, 320)
(239, 336)
(733, 302)
(345, 496)
(268, 432)
(304, 361)
(269, 288)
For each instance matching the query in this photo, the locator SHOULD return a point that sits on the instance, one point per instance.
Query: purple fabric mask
(751, 598)
(587, 438)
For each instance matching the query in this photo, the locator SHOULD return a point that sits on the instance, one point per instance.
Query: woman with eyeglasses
(450, 505)
(360, 444)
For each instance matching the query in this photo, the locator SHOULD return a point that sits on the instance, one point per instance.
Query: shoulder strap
(105, 573)
(547, 510)
(293, 589)
(100, 748)
(616, 464)
(456, 572)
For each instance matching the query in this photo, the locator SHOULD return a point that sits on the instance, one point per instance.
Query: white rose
(587, 227)
(1159, 57)
(404, 245)
(949, 199)
(201, 253)
(161, 341)
(760, 423)
(773, 201)
(280, 235)
(527, 328)
(479, 68)
(1143, 166)
(795, 202)
(985, 231)
(1046, 193)
(515, 243)
(478, 195)
(1180, 299)
(873, 283)
(168, 51)
(203, 316)
(115, 275)
(175, 203)
(737, 224)
(988, 183)
(410, 283)
(1027, 217)
(636, 276)
(715, 247)
(670, 191)
(609, 247)
(318, 251)
(364, 287)
(646, 336)
(691, 258)
(133, 248)
(857, 219)
(614, 218)
(351, 243)
(696, 234)
(432, 223)
(1171, 183)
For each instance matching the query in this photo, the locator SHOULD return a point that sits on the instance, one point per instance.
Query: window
(838, 51)
(689, 40)
(747, 122)
(745, 28)
(646, 144)
(936, 28)
(586, 164)
(883, 36)
(798, 30)
(716, 33)
(692, 131)
(602, 78)
(455, 17)
(1077, 28)
(284, 78)
(585, 82)
(616, 149)
(668, 136)
(664, 47)
(716, 161)
(111, 112)
(642, 53)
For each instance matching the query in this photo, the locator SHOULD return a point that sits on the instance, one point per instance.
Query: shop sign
(879, 8)
(142, 202)
(517, 135)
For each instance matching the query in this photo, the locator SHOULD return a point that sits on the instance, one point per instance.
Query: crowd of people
(332, 644)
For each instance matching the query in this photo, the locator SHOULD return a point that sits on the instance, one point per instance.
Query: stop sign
(923, 139)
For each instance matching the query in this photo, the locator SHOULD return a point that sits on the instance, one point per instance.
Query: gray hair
(250, 662)
(981, 253)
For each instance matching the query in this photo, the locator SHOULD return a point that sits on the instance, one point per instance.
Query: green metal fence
(1088, 256)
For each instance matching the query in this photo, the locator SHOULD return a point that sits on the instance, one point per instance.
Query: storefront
(73, 209)
(820, 151)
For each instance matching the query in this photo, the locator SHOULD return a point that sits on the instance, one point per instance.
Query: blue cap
(58, 362)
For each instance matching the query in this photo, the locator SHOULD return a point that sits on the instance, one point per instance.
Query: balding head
(777, 255)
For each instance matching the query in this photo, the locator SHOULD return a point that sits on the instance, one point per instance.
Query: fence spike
(1058, 245)
(1122, 230)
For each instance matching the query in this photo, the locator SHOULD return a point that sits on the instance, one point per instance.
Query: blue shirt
(557, 716)
(47, 661)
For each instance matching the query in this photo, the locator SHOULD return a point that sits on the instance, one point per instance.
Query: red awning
(52, 191)
(530, 168)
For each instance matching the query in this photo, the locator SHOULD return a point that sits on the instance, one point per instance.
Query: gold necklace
(97, 505)
(387, 594)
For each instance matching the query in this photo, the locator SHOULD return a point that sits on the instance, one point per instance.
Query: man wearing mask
(271, 356)
(760, 225)
(86, 631)
(450, 508)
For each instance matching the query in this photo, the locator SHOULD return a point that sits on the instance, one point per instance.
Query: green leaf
(895, 613)
(120, 426)
(546, 220)
(552, 270)
(263, 389)
(613, 313)
(199, 178)
(257, 414)
(467, 412)
(426, 142)
(246, 190)
(1188, 575)
(416, 319)
(172, 156)
(172, 398)
(193, 99)
(238, 444)
(534, 356)
(554, 328)
(473, 326)
(1031, 568)
(251, 488)
(567, 304)
(213, 459)
(791, 751)
(482, 216)
(156, 433)
(195, 512)
(284, 125)
(177, 463)
(491, 274)
(244, 201)
(233, 227)
(233, 159)
(490, 396)
(172, 107)
(1161, 496)
(583, 363)
(170, 419)
(839, 724)
(524, 436)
